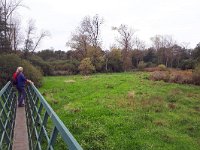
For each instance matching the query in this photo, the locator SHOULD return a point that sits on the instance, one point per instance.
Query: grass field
(126, 111)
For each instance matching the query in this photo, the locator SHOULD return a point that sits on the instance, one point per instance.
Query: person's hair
(20, 69)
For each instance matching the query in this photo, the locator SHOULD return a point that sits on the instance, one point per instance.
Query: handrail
(7, 116)
(39, 117)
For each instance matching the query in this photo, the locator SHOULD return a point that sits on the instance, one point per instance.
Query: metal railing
(45, 129)
(7, 116)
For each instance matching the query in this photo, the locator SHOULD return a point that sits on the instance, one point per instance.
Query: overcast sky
(179, 18)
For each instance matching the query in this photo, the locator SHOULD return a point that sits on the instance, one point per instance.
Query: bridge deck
(20, 131)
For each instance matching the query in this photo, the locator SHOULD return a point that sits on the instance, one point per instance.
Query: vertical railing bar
(43, 125)
(53, 138)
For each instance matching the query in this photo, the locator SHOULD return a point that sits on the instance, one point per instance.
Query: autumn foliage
(177, 76)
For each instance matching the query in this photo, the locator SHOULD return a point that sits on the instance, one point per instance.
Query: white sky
(179, 18)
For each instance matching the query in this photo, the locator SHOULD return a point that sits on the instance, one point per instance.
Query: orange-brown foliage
(175, 76)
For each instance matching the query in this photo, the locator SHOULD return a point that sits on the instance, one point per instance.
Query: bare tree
(16, 35)
(163, 44)
(139, 44)
(126, 43)
(42, 35)
(7, 25)
(91, 28)
(31, 41)
(28, 44)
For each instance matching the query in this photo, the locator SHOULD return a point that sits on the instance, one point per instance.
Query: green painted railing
(45, 129)
(7, 116)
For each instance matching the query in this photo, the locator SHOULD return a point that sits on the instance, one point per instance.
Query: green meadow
(126, 111)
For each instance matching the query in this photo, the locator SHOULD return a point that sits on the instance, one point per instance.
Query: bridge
(33, 127)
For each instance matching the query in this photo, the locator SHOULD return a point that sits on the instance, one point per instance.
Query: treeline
(112, 60)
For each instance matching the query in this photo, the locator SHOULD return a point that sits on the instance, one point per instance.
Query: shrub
(10, 62)
(150, 65)
(141, 65)
(181, 77)
(44, 66)
(196, 75)
(160, 75)
(86, 66)
(152, 69)
(175, 76)
(187, 64)
(65, 67)
(162, 67)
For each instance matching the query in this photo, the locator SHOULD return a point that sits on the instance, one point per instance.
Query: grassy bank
(126, 111)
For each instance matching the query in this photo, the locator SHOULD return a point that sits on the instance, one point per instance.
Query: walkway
(20, 131)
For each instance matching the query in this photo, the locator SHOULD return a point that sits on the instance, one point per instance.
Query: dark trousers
(21, 96)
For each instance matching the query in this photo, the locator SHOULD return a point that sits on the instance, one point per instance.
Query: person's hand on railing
(29, 81)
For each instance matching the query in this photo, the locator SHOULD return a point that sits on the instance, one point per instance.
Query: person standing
(21, 81)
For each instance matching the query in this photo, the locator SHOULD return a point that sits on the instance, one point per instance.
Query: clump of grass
(109, 86)
(197, 108)
(124, 103)
(69, 81)
(172, 106)
(153, 101)
(160, 122)
(172, 98)
(131, 95)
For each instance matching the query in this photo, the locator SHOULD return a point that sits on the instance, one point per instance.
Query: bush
(141, 65)
(162, 67)
(187, 64)
(181, 77)
(9, 64)
(150, 65)
(65, 67)
(160, 75)
(86, 66)
(152, 69)
(196, 75)
(44, 66)
(175, 76)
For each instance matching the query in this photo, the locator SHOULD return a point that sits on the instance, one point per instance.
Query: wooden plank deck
(20, 131)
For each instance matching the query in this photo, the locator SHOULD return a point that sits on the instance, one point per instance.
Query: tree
(87, 34)
(31, 43)
(114, 63)
(79, 42)
(137, 56)
(8, 28)
(139, 44)
(91, 28)
(150, 56)
(196, 52)
(86, 67)
(126, 43)
(163, 45)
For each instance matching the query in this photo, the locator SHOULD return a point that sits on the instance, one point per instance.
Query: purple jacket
(21, 80)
